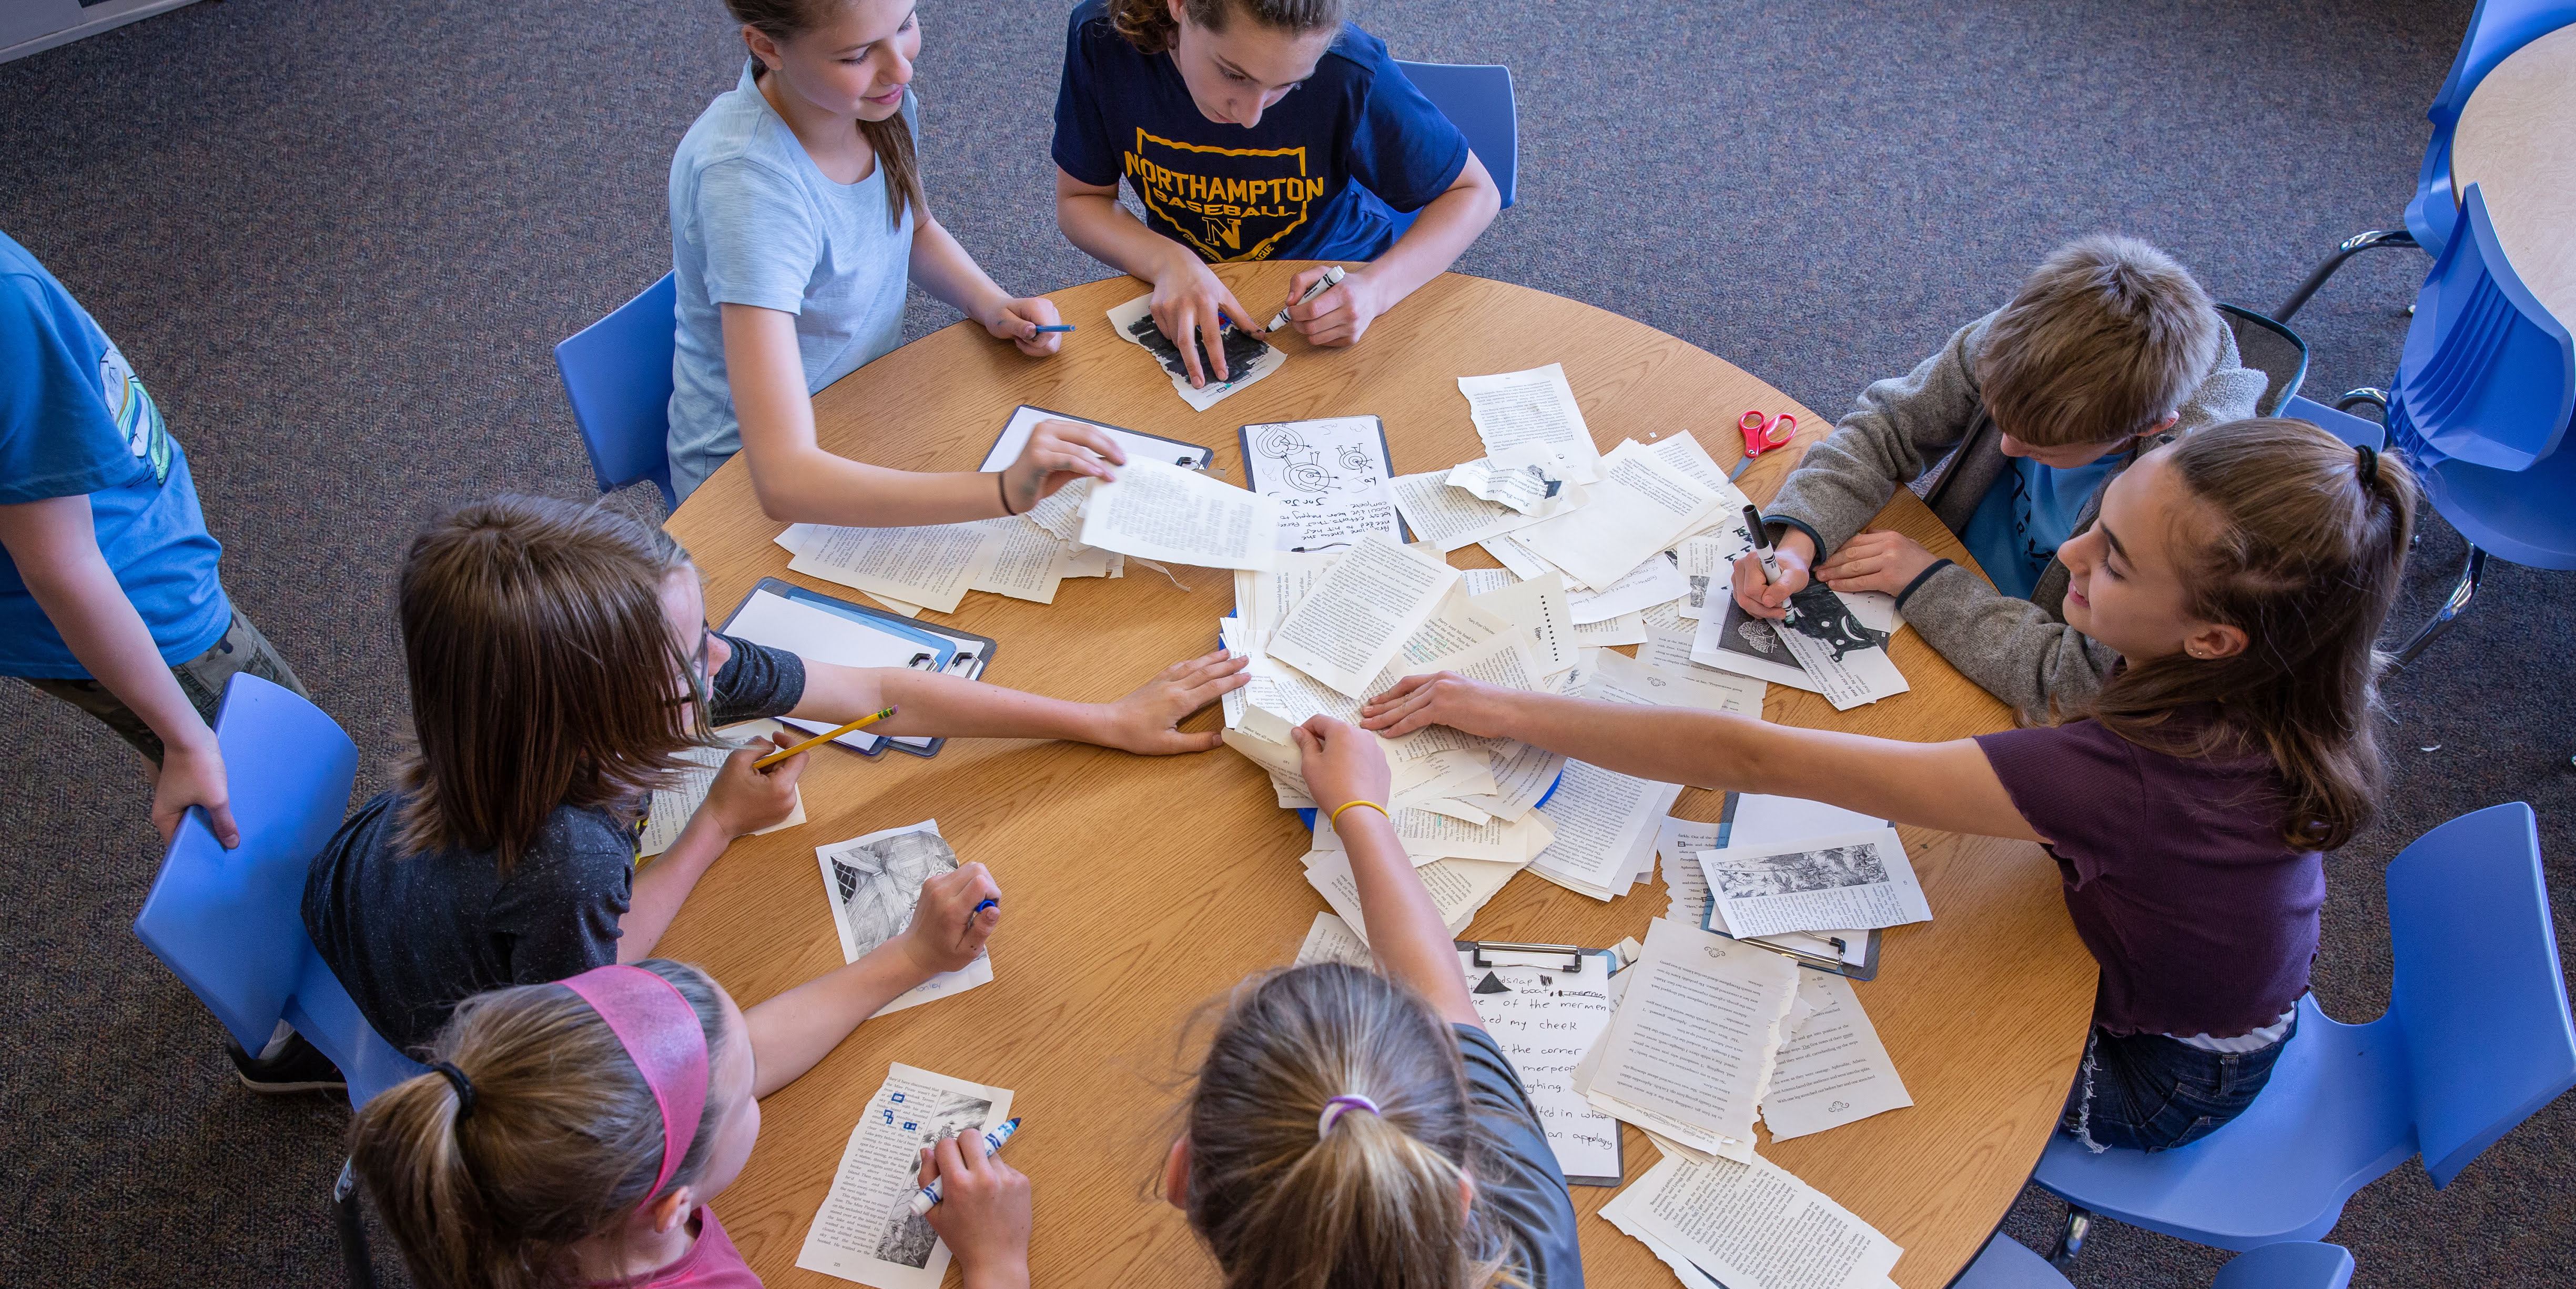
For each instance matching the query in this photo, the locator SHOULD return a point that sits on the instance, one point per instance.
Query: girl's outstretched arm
(793, 1030)
(798, 482)
(944, 269)
(932, 705)
(1405, 934)
(1950, 786)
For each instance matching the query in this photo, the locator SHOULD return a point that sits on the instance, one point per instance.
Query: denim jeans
(2149, 1092)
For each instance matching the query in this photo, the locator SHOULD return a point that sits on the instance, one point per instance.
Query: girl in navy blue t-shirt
(1256, 130)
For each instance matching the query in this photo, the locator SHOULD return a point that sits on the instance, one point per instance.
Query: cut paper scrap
(1248, 357)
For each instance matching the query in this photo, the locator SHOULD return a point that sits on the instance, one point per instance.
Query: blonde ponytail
(1287, 1198)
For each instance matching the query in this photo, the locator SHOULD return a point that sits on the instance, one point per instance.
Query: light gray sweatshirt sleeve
(2014, 649)
(1895, 430)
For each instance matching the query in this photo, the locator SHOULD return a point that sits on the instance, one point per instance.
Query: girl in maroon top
(2242, 573)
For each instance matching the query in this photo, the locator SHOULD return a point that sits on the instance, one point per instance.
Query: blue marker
(978, 911)
(1065, 327)
(928, 1196)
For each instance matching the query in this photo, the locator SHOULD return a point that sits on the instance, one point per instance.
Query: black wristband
(1002, 479)
(1919, 580)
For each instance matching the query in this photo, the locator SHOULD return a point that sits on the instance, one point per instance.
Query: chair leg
(2370, 394)
(353, 1233)
(2350, 246)
(2471, 573)
(2070, 1239)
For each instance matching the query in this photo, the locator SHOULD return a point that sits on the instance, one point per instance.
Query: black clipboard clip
(1566, 958)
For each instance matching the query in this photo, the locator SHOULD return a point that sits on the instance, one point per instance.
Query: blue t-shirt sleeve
(56, 437)
(1083, 148)
(1402, 148)
(759, 234)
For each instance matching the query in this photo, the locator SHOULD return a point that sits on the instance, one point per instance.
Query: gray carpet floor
(339, 238)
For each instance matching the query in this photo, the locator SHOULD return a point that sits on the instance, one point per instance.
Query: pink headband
(661, 1034)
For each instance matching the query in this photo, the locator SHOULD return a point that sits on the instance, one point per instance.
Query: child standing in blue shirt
(798, 223)
(110, 598)
(1256, 130)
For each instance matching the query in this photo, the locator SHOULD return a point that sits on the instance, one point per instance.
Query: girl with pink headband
(575, 1133)
(1356, 1128)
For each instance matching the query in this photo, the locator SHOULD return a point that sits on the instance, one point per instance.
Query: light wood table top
(1138, 888)
(2513, 139)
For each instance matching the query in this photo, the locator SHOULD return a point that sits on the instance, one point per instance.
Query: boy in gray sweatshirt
(2020, 419)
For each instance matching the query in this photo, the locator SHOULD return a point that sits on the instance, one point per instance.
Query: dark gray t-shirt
(1521, 1183)
(410, 936)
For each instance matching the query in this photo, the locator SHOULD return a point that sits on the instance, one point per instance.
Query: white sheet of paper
(673, 806)
(1679, 841)
(1512, 408)
(1625, 629)
(1658, 580)
(1428, 837)
(1689, 1055)
(1350, 624)
(1517, 559)
(1544, 1020)
(1525, 478)
(1458, 887)
(1329, 477)
(1708, 565)
(1539, 610)
(873, 883)
(1618, 678)
(1024, 422)
(931, 565)
(1641, 506)
(1859, 880)
(1027, 564)
(1248, 357)
(866, 1230)
(1832, 1070)
(1450, 518)
(1752, 1225)
(1163, 512)
(1330, 939)
(1761, 820)
(1601, 819)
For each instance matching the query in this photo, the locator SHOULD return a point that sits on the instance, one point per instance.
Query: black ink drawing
(1832, 868)
(941, 1115)
(1304, 466)
(1242, 349)
(1819, 614)
(877, 884)
(1742, 633)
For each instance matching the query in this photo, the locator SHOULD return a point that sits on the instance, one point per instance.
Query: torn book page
(1248, 357)
(1535, 406)
(931, 565)
(1537, 610)
(1753, 1225)
(873, 884)
(673, 806)
(1027, 564)
(1458, 887)
(1349, 626)
(1618, 678)
(1641, 507)
(1330, 939)
(1450, 518)
(1163, 512)
(1025, 420)
(1859, 880)
(1689, 1055)
(1657, 581)
(866, 1230)
(1525, 478)
(1602, 819)
(1832, 1070)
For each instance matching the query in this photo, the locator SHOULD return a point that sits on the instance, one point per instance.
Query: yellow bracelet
(1336, 816)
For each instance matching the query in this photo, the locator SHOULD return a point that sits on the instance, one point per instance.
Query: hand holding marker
(1332, 277)
(1770, 561)
(928, 1196)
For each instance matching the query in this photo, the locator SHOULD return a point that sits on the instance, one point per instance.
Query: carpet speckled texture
(338, 240)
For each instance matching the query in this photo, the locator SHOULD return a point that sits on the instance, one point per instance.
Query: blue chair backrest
(2488, 375)
(2291, 1264)
(617, 374)
(2496, 30)
(2478, 991)
(1477, 98)
(2355, 430)
(230, 924)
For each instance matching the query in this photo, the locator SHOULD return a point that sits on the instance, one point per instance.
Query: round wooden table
(1138, 889)
(2512, 140)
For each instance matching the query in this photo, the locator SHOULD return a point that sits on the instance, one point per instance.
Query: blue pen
(923, 1200)
(1065, 327)
(989, 903)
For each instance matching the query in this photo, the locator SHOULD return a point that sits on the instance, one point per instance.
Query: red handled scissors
(1761, 435)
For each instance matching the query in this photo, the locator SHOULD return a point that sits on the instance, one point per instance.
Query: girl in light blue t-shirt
(793, 237)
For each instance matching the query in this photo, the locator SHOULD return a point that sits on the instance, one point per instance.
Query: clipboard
(896, 641)
(1385, 456)
(1488, 954)
(1006, 446)
(1804, 956)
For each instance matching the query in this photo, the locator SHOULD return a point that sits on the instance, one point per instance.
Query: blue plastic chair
(1477, 98)
(2496, 30)
(2007, 1264)
(2488, 375)
(2355, 430)
(617, 374)
(230, 923)
(2477, 1038)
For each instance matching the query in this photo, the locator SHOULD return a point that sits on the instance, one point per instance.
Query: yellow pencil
(784, 753)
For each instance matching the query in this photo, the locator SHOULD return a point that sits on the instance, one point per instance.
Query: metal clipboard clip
(1566, 958)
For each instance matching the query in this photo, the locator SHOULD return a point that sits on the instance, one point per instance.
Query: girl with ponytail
(2242, 574)
(573, 1134)
(1357, 1130)
(798, 220)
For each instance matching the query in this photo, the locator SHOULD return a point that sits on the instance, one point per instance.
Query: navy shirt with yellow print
(1315, 180)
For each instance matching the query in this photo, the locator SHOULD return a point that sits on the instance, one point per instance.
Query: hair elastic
(1335, 1108)
(463, 1085)
(661, 1034)
(2367, 467)
(1002, 479)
